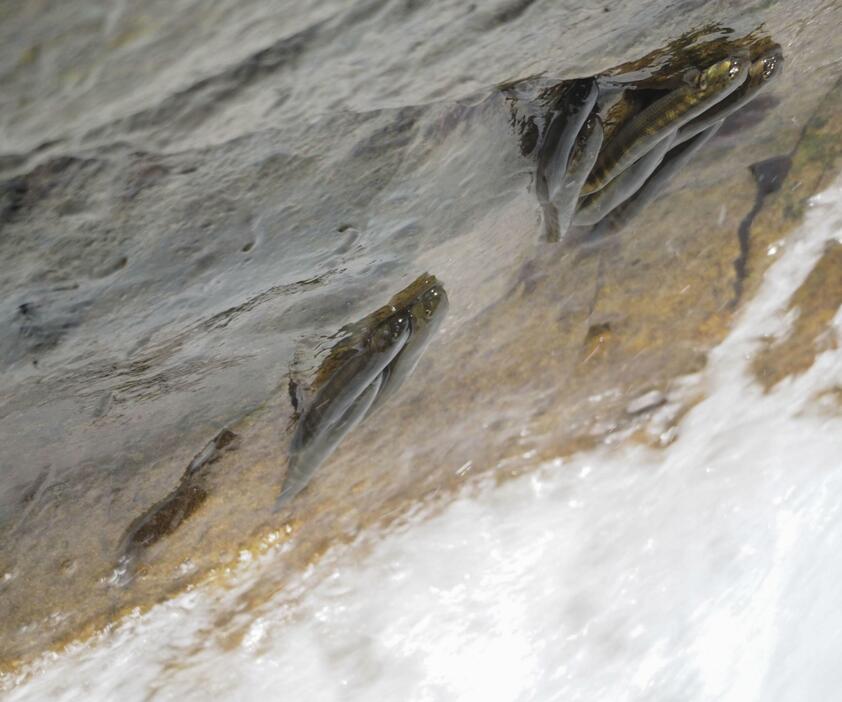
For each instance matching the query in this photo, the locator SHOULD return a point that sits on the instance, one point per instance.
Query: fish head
(391, 332)
(767, 66)
(728, 70)
(425, 304)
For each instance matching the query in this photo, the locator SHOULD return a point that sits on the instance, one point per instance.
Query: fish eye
(735, 68)
(398, 326)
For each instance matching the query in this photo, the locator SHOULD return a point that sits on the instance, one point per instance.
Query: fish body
(663, 117)
(597, 205)
(673, 162)
(622, 110)
(304, 461)
(565, 196)
(350, 379)
(425, 317)
(564, 127)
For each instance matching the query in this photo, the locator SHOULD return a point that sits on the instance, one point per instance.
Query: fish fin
(283, 499)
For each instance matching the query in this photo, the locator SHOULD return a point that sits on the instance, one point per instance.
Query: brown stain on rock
(815, 303)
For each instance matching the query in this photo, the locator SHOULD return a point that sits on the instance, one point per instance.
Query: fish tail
(552, 230)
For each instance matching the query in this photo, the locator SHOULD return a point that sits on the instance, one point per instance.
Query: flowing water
(605, 468)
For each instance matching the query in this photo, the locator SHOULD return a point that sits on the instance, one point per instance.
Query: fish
(565, 196)
(164, 517)
(761, 72)
(304, 461)
(564, 126)
(663, 116)
(342, 401)
(361, 374)
(343, 387)
(597, 205)
(623, 109)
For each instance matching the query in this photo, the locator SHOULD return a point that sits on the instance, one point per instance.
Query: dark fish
(304, 462)
(595, 206)
(552, 232)
(350, 379)
(558, 215)
(623, 109)
(564, 127)
(761, 72)
(663, 116)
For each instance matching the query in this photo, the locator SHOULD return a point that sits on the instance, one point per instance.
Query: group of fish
(587, 176)
(591, 176)
(372, 360)
(590, 173)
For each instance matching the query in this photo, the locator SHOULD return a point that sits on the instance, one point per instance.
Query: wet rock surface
(814, 305)
(195, 197)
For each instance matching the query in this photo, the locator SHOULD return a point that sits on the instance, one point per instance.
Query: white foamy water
(707, 571)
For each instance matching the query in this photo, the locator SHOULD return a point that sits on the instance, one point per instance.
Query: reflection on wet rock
(360, 373)
(39, 326)
(164, 517)
(27, 501)
(587, 174)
